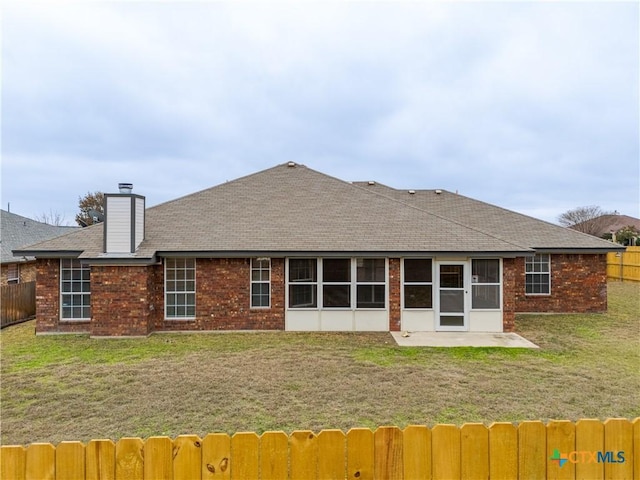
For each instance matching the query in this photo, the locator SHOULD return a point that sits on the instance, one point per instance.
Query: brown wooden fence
(589, 449)
(624, 266)
(18, 302)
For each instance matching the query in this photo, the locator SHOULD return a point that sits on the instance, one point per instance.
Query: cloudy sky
(530, 106)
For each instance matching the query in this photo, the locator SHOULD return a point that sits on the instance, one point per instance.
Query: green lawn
(58, 388)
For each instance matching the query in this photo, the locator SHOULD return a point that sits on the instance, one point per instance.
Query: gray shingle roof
(298, 210)
(17, 231)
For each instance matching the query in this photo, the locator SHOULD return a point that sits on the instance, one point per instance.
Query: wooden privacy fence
(589, 449)
(624, 266)
(18, 302)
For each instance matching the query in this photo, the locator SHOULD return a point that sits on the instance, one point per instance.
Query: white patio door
(452, 297)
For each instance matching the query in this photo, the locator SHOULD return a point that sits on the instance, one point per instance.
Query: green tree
(91, 209)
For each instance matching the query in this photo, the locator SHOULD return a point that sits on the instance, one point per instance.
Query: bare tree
(51, 218)
(591, 219)
(91, 209)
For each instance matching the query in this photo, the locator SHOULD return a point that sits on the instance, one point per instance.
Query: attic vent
(291, 164)
(412, 192)
(438, 192)
(371, 182)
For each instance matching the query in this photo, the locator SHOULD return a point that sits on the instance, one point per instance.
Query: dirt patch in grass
(75, 388)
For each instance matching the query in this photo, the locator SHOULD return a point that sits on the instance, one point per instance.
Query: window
(336, 282)
(485, 284)
(418, 283)
(13, 273)
(180, 288)
(260, 283)
(75, 290)
(370, 283)
(303, 283)
(537, 275)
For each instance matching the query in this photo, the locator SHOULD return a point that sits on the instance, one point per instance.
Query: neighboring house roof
(607, 224)
(17, 231)
(295, 210)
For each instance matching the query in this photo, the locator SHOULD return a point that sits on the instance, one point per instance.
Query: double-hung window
(75, 290)
(538, 275)
(485, 284)
(260, 283)
(180, 288)
(303, 283)
(370, 283)
(13, 273)
(418, 283)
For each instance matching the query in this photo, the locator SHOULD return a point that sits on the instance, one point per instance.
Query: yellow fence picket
(387, 456)
(13, 462)
(158, 458)
(216, 457)
(636, 449)
(41, 462)
(245, 455)
(129, 459)
(187, 457)
(303, 452)
(100, 460)
(274, 454)
(474, 451)
(360, 454)
(416, 452)
(561, 440)
(532, 450)
(331, 454)
(503, 451)
(589, 440)
(445, 453)
(70, 460)
(618, 444)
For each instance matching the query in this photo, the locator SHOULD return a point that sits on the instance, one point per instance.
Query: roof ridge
(235, 180)
(450, 220)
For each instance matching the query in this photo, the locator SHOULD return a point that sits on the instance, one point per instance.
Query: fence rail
(624, 266)
(18, 302)
(589, 449)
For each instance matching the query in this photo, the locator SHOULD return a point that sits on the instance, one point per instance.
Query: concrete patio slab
(461, 339)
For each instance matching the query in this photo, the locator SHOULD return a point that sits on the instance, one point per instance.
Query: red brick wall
(48, 301)
(120, 300)
(223, 296)
(578, 285)
(508, 294)
(394, 294)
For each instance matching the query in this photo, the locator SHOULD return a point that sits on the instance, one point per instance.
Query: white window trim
(252, 281)
(403, 283)
(500, 300)
(354, 286)
(72, 319)
(548, 255)
(195, 289)
(12, 280)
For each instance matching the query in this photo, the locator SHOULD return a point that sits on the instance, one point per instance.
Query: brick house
(18, 231)
(290, 248)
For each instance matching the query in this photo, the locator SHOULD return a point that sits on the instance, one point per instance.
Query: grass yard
(74, 388)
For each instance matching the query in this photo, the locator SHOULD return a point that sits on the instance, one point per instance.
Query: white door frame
(466, 289)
